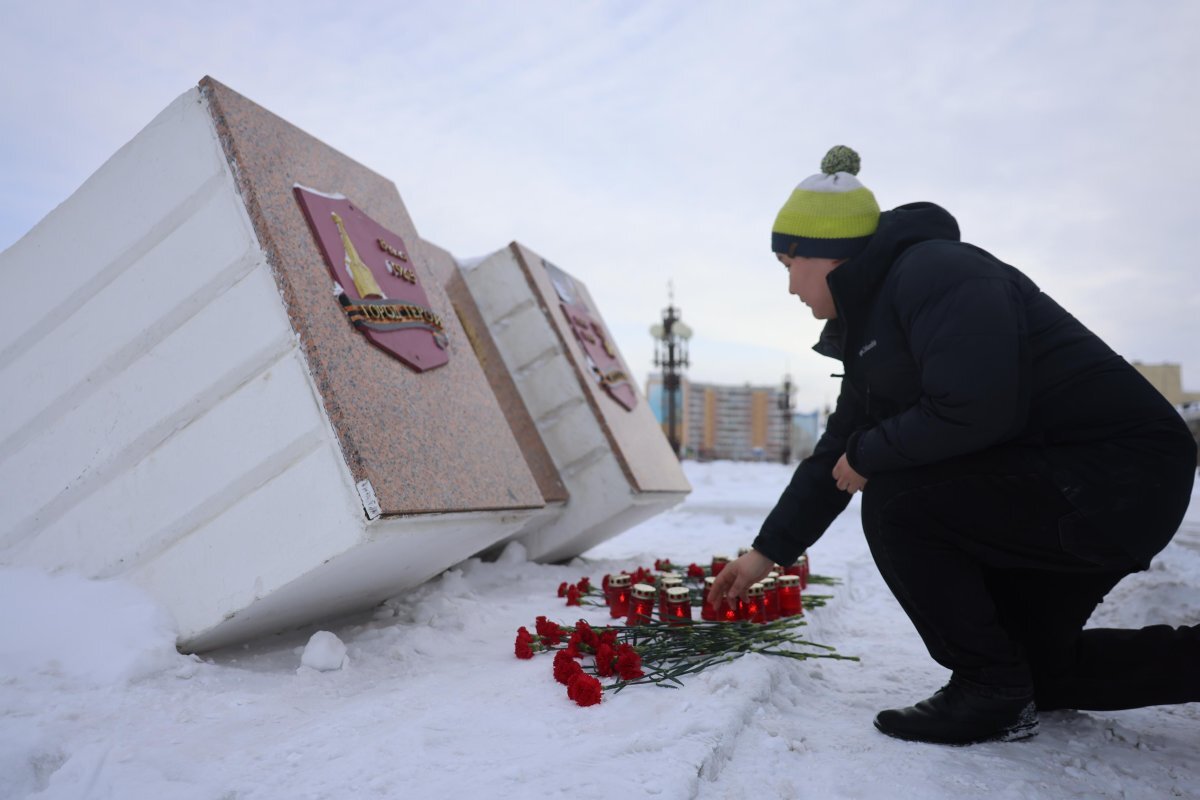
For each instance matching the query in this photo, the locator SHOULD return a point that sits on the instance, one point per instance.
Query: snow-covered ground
(429, 699)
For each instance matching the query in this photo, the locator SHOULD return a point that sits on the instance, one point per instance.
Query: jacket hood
(856, 281)
(906, 225)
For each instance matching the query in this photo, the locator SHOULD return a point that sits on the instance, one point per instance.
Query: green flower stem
(815, 600)
(670, 652)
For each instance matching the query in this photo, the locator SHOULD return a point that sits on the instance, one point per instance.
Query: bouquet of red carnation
(656, 652)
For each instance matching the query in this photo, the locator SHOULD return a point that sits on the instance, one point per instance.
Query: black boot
(962, 713)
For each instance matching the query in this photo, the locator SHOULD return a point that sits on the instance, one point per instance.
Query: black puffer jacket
(948, 351)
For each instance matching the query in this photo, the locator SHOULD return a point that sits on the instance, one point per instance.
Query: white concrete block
(551, 385)
(229, 342)
(550, 373)
(280, 533)
(244, 441)
(149, 187)
(498, 295)
(100, 337)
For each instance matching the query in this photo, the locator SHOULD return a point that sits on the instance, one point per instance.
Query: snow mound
(92, 632)
(324, 652)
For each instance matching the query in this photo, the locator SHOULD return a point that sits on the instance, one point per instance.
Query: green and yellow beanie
(830, 215)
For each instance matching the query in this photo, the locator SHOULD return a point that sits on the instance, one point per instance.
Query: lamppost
(670, 355)
(785, 405)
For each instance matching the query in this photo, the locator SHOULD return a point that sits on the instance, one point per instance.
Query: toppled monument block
(607, 448)
(231, 377)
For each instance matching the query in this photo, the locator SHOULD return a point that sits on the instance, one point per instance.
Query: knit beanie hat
(830, 215)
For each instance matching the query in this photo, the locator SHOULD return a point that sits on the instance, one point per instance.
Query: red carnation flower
(584, 689)
(629, 663)
(585, 585)
(550, 632)
(573, 596)
(609, 637)
(586, 634)
(695, 571)
(573, 644)
(565, 667)
(522, 644)
(562, 589)
(605, 658)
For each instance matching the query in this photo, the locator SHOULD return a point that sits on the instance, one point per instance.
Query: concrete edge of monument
(608, 448)
(170, 422)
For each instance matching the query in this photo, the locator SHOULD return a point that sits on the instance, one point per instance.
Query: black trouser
(971, 550)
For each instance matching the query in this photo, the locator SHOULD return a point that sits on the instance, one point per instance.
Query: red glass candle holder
(679, 605)
(665, 582)
(729, 611)
(618, 596)
(718, 564)
(708, 609)
(770, 598)
(752, 606)
(803, 562)
(641, 603)
(790, 601)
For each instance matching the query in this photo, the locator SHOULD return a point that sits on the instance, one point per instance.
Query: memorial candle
(718, 564)
(803, 563)
(770, 598)
(641, 603)
(708, 609)
(728, 610)
(618, 596)
(679, 605)
(665, 582)
(752, 606)
(790, 601)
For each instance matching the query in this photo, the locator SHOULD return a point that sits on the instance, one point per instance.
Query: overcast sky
(636, 143)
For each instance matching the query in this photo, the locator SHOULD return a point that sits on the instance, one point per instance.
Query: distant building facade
(747, 423)
(1168, 379)
(740, 423)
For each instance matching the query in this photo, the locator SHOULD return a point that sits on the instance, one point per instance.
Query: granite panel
(634, 434)
(429, 442)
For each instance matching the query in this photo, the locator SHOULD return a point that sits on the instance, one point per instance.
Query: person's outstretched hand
(740, 575)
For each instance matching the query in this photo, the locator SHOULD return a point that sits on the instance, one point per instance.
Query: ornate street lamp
(785, 405)
(670, 355)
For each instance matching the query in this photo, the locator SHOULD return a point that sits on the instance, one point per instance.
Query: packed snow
(423, 696)
(324, 652)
